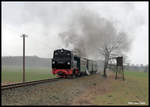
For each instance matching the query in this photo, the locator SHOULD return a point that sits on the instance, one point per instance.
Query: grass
(12, 74)
(133, 89)
(136, 74)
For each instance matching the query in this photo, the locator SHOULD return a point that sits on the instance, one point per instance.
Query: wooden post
(116, 72)
(123, 72)
(23, 56)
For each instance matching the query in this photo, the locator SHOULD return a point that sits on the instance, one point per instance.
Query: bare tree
(112, 47)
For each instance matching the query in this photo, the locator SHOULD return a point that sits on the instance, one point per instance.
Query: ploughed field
(88, 90)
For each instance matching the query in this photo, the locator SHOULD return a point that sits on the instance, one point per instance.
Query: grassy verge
(10, 74)
(134, 89)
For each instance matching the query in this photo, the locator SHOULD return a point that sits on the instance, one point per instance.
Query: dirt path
(100, 87)
(108, 91)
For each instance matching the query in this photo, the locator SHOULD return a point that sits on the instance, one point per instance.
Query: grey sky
(43, 21)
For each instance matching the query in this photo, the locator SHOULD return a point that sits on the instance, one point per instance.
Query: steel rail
(10, 86)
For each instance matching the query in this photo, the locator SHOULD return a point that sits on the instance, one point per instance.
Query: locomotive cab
(61, 59)
(62, 62)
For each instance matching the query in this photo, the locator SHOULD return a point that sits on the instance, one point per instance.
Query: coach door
(77, 60)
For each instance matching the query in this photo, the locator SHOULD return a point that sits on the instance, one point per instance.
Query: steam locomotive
(66, 63)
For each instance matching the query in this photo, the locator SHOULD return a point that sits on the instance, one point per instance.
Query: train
(66, 63)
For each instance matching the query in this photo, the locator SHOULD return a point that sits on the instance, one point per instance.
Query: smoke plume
(88, 31)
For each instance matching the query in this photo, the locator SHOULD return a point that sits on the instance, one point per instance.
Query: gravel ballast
(54, 93)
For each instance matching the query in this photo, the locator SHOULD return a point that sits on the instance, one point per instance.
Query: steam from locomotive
(88, 31)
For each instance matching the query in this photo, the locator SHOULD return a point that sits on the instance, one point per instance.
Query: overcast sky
(43, 21)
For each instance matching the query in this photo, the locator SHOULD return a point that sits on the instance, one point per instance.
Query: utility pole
(23, 35)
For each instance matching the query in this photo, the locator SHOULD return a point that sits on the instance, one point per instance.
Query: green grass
(11, 74)
(134, 88)
(136, 74)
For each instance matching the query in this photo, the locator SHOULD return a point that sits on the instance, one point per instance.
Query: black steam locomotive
(65, 63)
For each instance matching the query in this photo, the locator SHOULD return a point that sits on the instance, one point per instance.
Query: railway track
(11, 86)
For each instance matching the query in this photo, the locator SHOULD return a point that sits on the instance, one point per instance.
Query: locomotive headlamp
(53, 62)
(68, 63)
(56, 53)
